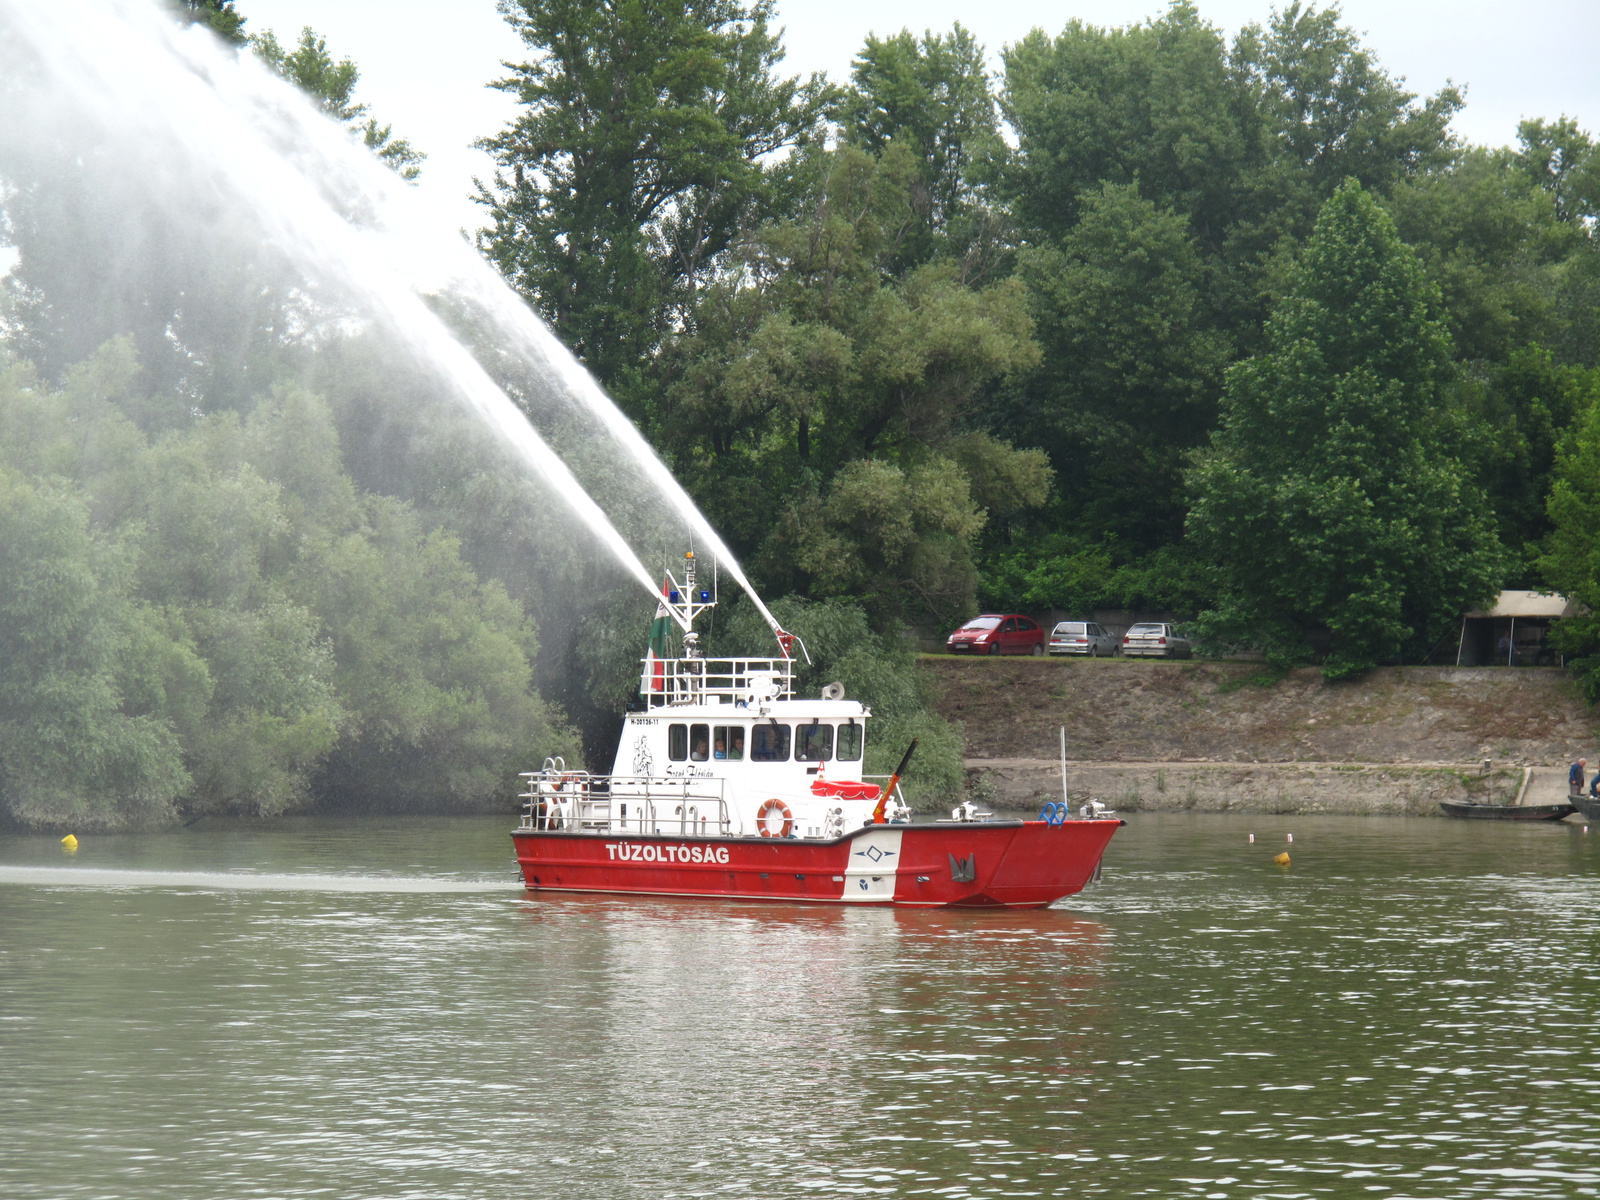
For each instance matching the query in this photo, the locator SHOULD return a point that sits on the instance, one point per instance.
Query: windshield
(1070, 627)
(982, 623)
(1146, 629)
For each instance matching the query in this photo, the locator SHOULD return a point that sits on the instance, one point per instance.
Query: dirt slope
(1119, 710)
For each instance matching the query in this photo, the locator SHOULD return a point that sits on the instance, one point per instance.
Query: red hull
(1004, 864)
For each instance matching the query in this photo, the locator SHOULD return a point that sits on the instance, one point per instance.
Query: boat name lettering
(666, 852)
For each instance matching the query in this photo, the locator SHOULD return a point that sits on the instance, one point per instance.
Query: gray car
(1082, 637)
(1151, 639)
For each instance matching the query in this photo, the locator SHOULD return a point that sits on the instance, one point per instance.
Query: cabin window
(769, 743)
(813, 743)
(677, 742)
(727, 741)
(699, 743)
(850, 742)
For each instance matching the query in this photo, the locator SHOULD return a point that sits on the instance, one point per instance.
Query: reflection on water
(373, 1010)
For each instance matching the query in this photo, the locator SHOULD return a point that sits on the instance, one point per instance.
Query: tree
(645, 145)
(1332, 497)
(332, 84)
(1151, 105)
(69, 748)
(1562, 159)
(1131, 364)
(1524, 410)
(1572, 562)
(825, 395)
(932, 97)
(217, 620)
(1492, 241)
(1332, 112)
(219, 15)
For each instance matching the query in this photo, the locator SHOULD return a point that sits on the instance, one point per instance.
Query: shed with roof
(1513, 631)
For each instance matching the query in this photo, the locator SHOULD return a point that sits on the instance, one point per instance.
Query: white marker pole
(1065, 798)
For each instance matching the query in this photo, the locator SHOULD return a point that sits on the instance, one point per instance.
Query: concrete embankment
(1217, 736)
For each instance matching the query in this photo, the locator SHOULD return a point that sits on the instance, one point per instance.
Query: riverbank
(1221, 737)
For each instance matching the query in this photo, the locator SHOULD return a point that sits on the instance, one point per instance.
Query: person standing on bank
(1575, 777)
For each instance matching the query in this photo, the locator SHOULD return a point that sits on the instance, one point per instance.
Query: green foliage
(1151, 104)
(880, 670)
(1132, 363)
(1523, 410)
(903, 363)
(1332, 495)
(1492, 242)
(818, 396)
(219, 15)
(332, 85)
(642, 149)
(897, 541)
(1080, 574)
(931, 97)
(219, 621)
(69, 630)
(1562, 160)
(1572, 561)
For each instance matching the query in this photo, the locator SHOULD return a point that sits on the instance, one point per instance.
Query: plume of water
(327, 205)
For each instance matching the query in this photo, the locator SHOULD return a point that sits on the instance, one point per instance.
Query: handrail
(578, 802)
(668, 681)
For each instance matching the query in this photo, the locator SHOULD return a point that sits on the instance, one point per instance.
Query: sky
(424, 63)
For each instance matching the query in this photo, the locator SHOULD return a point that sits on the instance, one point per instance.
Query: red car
(998, 633)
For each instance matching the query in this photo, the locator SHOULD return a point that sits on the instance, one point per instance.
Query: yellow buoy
(1282, 860)
(70, 842)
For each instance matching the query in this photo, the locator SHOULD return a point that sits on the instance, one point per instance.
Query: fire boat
(728, 785)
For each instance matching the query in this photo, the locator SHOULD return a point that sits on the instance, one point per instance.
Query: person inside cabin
(736, 743)
(719, 745)
(698, 754)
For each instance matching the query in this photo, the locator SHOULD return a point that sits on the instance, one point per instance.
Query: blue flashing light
(673, 596)
(705, 597)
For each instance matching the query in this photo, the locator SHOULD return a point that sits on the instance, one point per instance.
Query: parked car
(1082, 637)
(998, 633)
(1153, 640)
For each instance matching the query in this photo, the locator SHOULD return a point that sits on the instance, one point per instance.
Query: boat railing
(579, 802)
(740, 681)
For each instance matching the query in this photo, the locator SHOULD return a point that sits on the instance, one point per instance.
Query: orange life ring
(768, 809)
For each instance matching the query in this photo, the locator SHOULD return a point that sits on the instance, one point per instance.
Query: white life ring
(766, 826)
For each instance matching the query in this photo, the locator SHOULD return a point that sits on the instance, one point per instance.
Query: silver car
(1150, 639)
(1082, 637)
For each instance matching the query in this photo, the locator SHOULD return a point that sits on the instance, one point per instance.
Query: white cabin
(722, 747)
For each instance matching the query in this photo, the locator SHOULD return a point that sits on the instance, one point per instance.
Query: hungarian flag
(654, 669)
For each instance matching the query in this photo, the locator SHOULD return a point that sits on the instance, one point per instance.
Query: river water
(374, 1009)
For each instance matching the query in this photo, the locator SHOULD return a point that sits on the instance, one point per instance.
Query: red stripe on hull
(1006, 864)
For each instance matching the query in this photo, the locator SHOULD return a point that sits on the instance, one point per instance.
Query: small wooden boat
(1589, 806)
(1507, 812)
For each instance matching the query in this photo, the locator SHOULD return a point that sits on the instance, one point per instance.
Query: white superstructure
(722, 746)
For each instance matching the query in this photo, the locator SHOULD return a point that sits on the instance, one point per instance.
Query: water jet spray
(332, 208)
